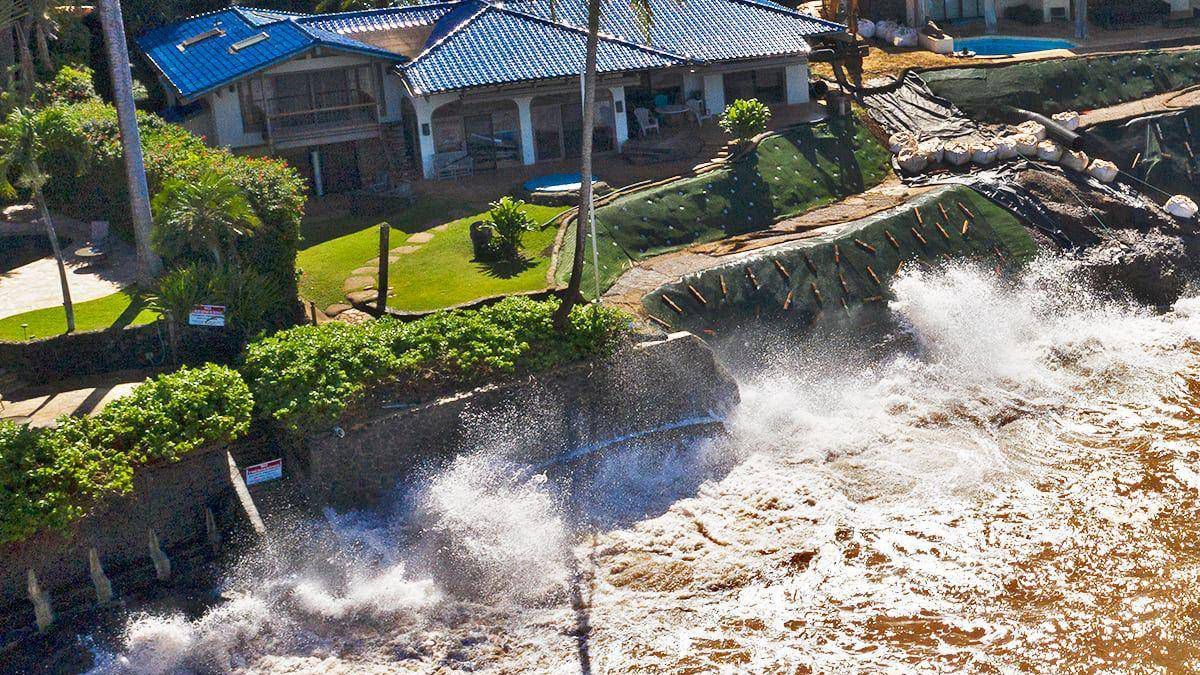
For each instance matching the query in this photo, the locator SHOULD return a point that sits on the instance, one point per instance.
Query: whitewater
(1004, 478)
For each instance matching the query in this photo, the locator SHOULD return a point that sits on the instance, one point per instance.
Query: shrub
(202, 217)
(745, 118)
(50, 477)
(509, 223)
(70, 85)
(306, 377)
(251, 300)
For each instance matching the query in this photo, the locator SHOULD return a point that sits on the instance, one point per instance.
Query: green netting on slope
(730, 298)
(1058, 85)
(789, 173)
(1164, 146)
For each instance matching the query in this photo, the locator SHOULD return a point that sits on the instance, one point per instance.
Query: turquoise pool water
(1001, 45)
(556, 182)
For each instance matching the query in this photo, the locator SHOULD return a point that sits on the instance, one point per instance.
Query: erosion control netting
(1163, 147)
(787, 174)
(912, 107)
(1059, 85)
(841, 270)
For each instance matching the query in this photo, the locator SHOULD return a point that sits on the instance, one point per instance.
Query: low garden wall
(647, 387)
(168, 498)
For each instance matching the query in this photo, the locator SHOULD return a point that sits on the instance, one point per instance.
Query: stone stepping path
(360, 285)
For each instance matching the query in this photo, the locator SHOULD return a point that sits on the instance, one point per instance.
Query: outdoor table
(673, 109)
(91, 255)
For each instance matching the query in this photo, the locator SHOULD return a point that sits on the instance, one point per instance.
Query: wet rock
(1148, 266)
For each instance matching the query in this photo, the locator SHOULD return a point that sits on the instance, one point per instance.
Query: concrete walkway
(36, 285)
(43, 410)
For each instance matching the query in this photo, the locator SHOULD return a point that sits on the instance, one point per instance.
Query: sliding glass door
(953, 10)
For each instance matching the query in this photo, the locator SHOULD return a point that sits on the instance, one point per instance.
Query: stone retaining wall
(650, 386)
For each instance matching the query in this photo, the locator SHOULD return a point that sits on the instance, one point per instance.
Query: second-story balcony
(326, 117)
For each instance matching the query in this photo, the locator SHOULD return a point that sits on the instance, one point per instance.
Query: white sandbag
(957, 153)
(901, 141)
(884, 30)
(905, 37)
(1049, 151)
(1006, 148)
(983, 153)
(1181, 206)
(866, 28)
(933, 149)
(1104, 170)
(1075, 160)
(1034, 128)
(1069, 119)
(913, 162)
(1026, 144)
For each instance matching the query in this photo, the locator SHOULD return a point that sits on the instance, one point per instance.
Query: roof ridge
(483, 7)
(380, 10)
(780, 9)
(603, 35)
(244, 8)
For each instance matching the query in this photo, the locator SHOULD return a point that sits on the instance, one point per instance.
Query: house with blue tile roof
(355, 98)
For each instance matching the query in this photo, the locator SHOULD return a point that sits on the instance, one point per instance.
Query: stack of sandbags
(866, 29)
(912, 162)
(886, 30)
(1181, 207)
(933, 149)
(1049, 151)
(905, 37)
(983, 153)
(1006, 148)
(1069, 119)
(1027, 144)
(1104, 171)
(901, 141)
(1075, 160)
(957, 153)
(1033, 128)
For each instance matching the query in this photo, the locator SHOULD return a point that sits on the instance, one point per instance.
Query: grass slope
(124, 308)
(1058, 85)
(789, 173)
(443, 272)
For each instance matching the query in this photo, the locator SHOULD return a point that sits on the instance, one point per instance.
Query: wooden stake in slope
(874, 277)
(842, 281)
(782, 270)
(837, 255)
(724, 288)
(671, 303)
(966, 226)
(945, 216)
(917, 213)
(918, 235)
(811, 266)
(753, 279)
(696, 294)
(965, 209)
(845, 306)
(865, 246)
(660, 322)
(816, 293)
(891, 240)
(787, 302)
(942, 230)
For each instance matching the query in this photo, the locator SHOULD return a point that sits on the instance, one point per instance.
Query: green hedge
(305, 377)
(48, 478)
(93, 187)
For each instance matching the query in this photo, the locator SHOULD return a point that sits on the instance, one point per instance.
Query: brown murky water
(1017, 493)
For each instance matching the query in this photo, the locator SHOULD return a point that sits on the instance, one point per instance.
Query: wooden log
(753, 279)
(918, 235)
(787, 302)
(816, 293)
(892, 240)
(671, 303)
(696, 294)
(942, 230)
(865, 246)
(782, 270)
(663, 324)
(874, 277)
(811, 266)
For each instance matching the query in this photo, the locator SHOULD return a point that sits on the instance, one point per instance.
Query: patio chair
(645, 120)
(453, 164)
(699, 111)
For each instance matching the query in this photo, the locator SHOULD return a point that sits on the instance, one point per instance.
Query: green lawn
(125, 308)
(335, 245)
(789, 173)
(443, 273)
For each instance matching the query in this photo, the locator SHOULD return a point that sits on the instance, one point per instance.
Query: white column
(692, 84)
(424, 110)
(620, 120)
(318, 181)
(796, 82)
(714, 93)
(525, 120)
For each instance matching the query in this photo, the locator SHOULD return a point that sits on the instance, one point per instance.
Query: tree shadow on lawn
(849, 180)
(504, 269)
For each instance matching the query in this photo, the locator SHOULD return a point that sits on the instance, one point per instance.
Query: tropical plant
(745, 118)
(205, 216)
(250, 299)
(510, 224)
(70, 85)
(23, 139)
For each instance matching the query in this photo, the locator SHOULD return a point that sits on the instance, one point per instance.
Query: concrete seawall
(649, 387)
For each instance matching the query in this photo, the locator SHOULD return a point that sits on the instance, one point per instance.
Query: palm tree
(202, 216)
(42, 26)
(149, 264)
(23, 138)
(8, 19)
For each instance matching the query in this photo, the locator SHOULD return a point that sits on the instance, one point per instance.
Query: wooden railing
(334, 113)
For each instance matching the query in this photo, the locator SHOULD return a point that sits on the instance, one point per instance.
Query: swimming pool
(1003, 45)
(556, 182)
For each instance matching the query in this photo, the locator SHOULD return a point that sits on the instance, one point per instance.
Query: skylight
(195, 39)
(247, 42)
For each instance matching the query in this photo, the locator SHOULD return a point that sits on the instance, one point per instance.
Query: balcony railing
(291, 118)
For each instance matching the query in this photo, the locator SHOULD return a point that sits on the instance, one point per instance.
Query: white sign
(207, 315)
(261, 473)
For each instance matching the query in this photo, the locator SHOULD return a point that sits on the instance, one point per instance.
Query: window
(253, 105)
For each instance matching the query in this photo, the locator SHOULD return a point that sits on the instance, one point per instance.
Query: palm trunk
(28, 78)
(7, 56)
(572, 295)
(43, 48)
(68, 307)
(149, 263)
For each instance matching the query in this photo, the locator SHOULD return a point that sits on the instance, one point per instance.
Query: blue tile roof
(388, 18)
(208, 64)
(491, 44)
